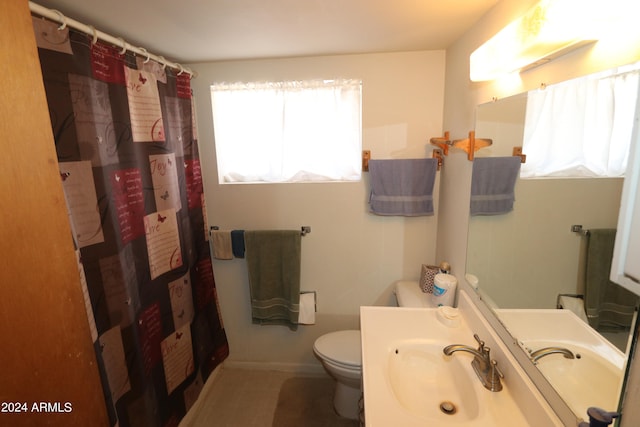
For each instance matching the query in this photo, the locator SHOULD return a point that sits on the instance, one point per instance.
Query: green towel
(608, 305)
(273, 264)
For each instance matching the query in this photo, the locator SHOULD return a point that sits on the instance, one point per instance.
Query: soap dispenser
(599, 418)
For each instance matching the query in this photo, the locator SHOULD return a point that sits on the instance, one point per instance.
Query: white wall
(351, 258)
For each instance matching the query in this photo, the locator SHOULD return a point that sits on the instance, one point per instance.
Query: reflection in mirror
(584, 369)
(531, 257)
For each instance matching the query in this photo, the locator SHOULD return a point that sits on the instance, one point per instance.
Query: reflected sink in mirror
(430, 385)
(587, 380)
(596, 374)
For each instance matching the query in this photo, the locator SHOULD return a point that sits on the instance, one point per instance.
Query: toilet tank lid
(409, 294)
(341, 346)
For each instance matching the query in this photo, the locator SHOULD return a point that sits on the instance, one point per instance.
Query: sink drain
(448, 408)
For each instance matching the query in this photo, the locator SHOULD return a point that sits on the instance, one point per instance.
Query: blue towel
(402, 187)
(492, 185)
(237, 243)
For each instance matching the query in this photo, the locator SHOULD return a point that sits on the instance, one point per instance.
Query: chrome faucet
(536, 355)
(485, 368)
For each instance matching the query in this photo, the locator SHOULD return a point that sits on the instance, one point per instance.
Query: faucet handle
(494, 377)
(480, 342)
(495, 370)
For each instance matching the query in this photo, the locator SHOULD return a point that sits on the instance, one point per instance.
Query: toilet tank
(409, 294)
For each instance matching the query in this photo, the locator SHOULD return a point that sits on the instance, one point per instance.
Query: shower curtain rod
(57, 16)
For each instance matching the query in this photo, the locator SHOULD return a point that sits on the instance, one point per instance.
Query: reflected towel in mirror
(493, 185)
(608, 305)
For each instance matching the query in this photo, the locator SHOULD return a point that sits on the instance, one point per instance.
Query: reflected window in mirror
(581, 127)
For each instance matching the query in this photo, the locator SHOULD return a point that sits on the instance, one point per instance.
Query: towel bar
(437, 154)
(578, 229)
(443, 142)
(366, 156)
(304, 230)
(517, 151)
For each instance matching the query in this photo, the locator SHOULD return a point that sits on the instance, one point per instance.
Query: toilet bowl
(341, 355)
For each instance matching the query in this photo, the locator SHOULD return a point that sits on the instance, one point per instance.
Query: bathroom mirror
(527, 258)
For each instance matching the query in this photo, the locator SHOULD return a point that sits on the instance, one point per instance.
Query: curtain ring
(180, 68)
(163, 61)
(146, 54)
(124, 46)
(94, 34)
(62, 18)
(194, 74)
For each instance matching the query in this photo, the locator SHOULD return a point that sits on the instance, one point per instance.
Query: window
(581, 128)
(300, 131)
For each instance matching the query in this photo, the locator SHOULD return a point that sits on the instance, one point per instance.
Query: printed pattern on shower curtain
(126, 141)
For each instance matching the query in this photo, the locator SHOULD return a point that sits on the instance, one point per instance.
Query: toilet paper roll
(426, 277)
(307, 314)
(574, 304)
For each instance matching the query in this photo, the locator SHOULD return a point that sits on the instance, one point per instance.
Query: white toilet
(341, 355)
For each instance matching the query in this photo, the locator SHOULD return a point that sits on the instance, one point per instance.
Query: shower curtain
(125, 135)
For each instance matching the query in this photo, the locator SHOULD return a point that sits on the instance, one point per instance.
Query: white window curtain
(288, 131)
(580, 128)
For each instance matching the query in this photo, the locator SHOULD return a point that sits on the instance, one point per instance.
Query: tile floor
(238, 398)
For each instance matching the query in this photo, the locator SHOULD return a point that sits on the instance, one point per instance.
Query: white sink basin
(430, 385)
(406, 375)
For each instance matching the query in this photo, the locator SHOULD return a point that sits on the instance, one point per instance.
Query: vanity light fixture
(550, 29)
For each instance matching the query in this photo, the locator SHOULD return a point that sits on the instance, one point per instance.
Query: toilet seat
(342, 348)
